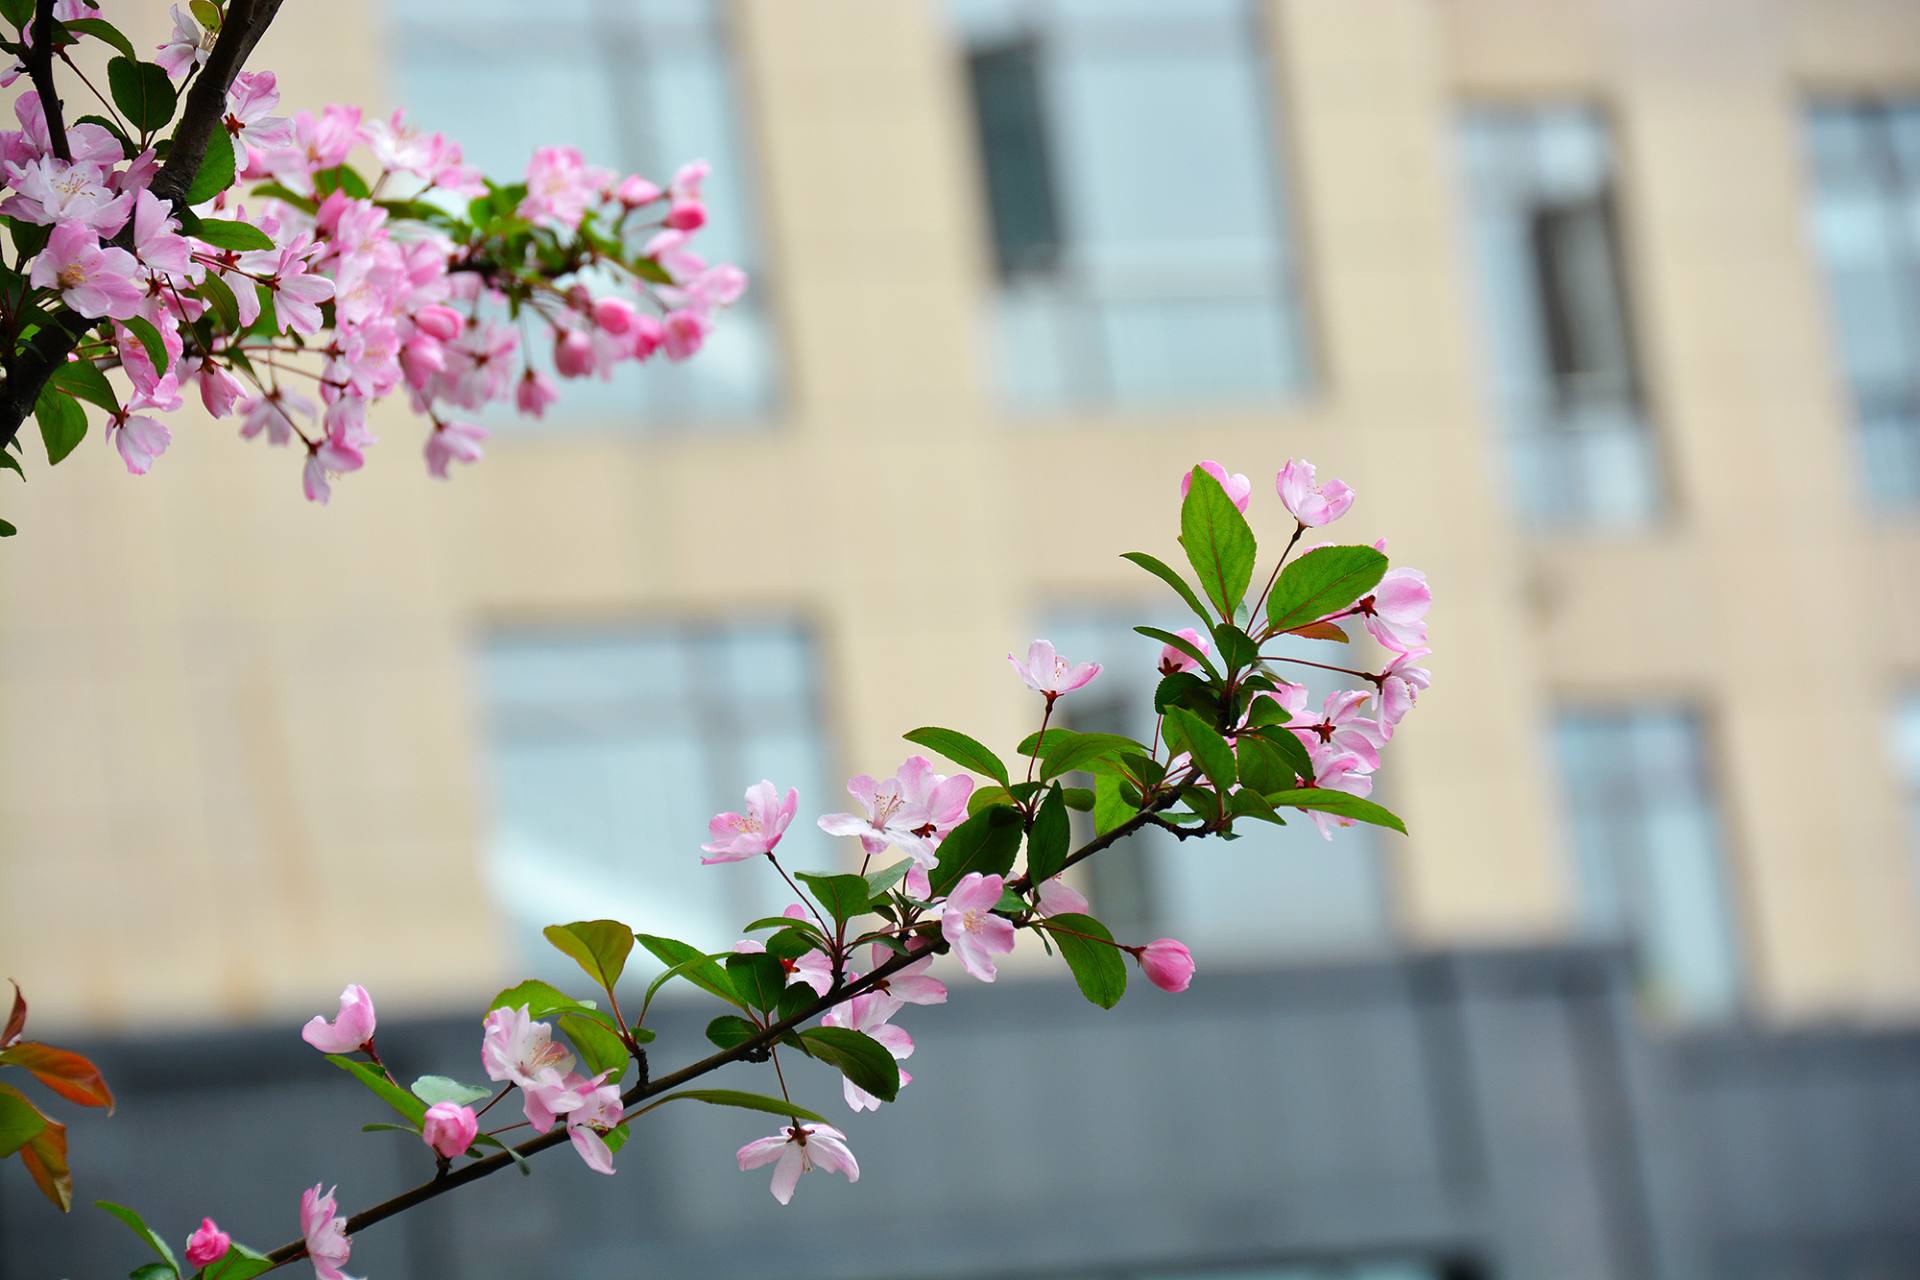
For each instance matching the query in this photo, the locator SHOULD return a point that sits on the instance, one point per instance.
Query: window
(1648, 844)
(609, 750)
(1543, 216)
(1272, 892)
(639, 86)
(1130, 159)
(1866, 223)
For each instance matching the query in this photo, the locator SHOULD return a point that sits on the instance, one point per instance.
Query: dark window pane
(1013, 151)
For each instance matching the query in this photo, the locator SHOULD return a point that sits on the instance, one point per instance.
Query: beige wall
(238, 740)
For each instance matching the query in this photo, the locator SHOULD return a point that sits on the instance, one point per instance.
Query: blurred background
(1610, 310)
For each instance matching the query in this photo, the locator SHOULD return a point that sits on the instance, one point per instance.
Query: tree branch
(28, 369)
(294, 1250)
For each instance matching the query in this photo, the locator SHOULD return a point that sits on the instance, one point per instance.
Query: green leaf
(1047, 842)
(20, 1121)
(215, 175)
(206, 13)
(1340, 804)
(744, 1101)
(988, 842)
(231, 235)
(7, 530)
(239, 1263)
(962, 750)
(152, 1271)
(340, 178)
(101, 29)
(1181, 689)
(600, 947)
(1218, 543)
(599, 1048)
(1084, 751)
(150, 339)
(1167, 574)
(860, 1058)
(1262, 767)
(1323, 581)
(730, 1029)
(804, 923)
(1078, 798)
(141, 1229)
(691, 963)
(1184, 645)
(1187, 732)
(432, 1089)
(878, 882)
(287, 195)
(1096, 963)
(844, 896)
(12, 463)
(539, 998)
(83, 380)
(488, 1140)
(18, 13)
(409, 1107)
(220, 296)
(1291, 749)
(1110, 807)
(758, 977)
(1235, 647)
(142, 92)
(63, 423)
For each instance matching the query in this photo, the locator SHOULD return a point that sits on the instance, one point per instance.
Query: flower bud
(207, 1245)
(573, 354)
(686, 331)
(449, 1128)
(1173, 660)
(1237, 486)
(687, 215)
(352, 1028)
(614, 315)
(635, 191)
(648, 336)
(1167, 963)
(534, 393)
(438, 321)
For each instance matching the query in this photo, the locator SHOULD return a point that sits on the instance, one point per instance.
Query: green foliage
(1340, 804)
(1263, 768)
(149, 337)
(744, 1101)
(18, 13)
(83, 380)
(239, 1263)
(1184, 645)
(1218, 543)
(600, 947)
(859, 1057)
(411, 1109)
(599, 1048)
(1088, 752)
(215, 175)
(730, 1029)
(143, 93)
(432, 1089)
(988, 842)
(539, 998)
(962, 750)
(1325, 580)
(1187, 732)
(242, 236)
(759, 978)
(843, 896)
(20, 1120)
(1166, 573)
(101, 29)
(878, 882)
(1047, 842)
(1088, 949)
(690, 963)
(63, 423)
(1110, 805)
(139, 1227)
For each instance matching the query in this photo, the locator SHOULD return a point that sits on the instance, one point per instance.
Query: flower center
(970, 920)
(884, 807)
(72, 276)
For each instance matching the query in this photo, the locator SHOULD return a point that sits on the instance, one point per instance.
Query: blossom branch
(39, 60)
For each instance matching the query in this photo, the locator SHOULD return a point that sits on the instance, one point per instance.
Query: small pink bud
(1167, 963)
(354, 1025)
(1174, 660)
(614, 315)
(438, 321)
(573, 354)
(534, 393)
(449, 1128)
(686, 331)
(649, 335)
(635, 191)
(687, 215)
(207, 1245)
(579, 297)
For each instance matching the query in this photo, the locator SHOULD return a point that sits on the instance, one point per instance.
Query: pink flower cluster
(362, 295)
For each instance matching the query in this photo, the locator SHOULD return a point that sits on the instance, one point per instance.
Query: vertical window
(1649, 848)
(609, 750)
(639, 86)
(1275, 891)
(1866, 223)
(1130, 159)
(1543, 217)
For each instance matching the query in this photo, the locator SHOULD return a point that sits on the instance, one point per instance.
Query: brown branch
(28, 369)
(39, 60)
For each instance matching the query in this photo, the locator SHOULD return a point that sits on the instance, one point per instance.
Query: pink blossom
(439, 321)
(334, 455)
(1400, 687)
(1311, 503)
(1342, 727)
(155, 242)
(1167, 963)
(207, 1245)
(534, 392)
(93, 281)
(738, 836)
(649, 335)
(297, 291)
(910, 985)
(1338, 771)
(600, 1110)
(686, 332)
(796, 1150)
(614, 315)
(250, 102)
(453, 442)
(1048, 673)
(560, 185)
(1396, 612)
(912, 811)
(635, 191)
(1058, 898)
(53, 191)
(141, 439)
(326, 1234)
(687, 215)
(1174, 660)
(317, 142)
(968, 924)
(517, 1049)
(572, 353)
(1237, 486)
(350, 1028)
(449, 1128)
(186, 48)
(869, 1014)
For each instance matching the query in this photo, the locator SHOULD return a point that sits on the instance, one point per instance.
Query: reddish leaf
(17, 1020)
(46, 1161)
(63, 1071)
(1319, 631)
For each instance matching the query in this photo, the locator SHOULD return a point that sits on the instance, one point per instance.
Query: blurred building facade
(1610, 311)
